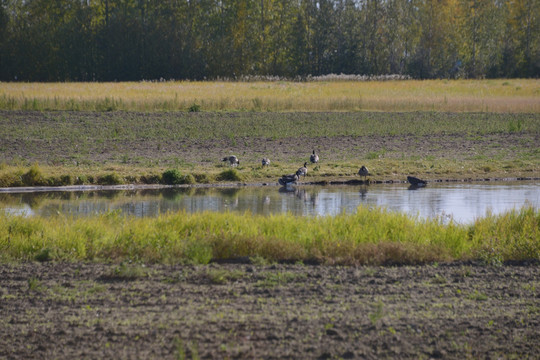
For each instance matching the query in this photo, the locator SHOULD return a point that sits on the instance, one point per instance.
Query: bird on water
(289, 179)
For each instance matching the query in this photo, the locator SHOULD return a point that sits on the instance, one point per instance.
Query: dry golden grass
(513, 96)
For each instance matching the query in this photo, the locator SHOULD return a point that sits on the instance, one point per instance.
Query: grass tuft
(229, 175)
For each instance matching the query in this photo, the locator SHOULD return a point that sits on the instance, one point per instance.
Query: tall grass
(370, 236)
(517, 95)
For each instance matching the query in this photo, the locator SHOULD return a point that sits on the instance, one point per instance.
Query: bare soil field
(220, 311)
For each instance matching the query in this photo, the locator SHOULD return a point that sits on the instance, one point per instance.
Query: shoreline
(352, 182)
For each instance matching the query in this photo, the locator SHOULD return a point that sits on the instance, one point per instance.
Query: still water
(463, 202)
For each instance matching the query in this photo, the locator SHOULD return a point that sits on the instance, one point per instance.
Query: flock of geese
(290, 179)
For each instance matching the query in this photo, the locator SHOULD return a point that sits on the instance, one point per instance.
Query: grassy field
(371, 236)
(503, 96)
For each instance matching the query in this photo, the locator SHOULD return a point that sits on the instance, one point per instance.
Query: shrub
(195, 108)
(172, 177)
(80, 180)
(229, 175)
(33, 176)
(10, 180)
(150, 179)
(189, 179)
(202, 178)
(66, 180)
(110, 179)
(175, 177)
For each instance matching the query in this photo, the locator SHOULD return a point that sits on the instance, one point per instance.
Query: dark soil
(95, 311)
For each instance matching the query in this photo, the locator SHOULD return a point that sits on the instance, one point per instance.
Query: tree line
(122, 40)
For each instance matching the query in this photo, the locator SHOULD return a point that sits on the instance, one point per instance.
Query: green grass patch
(370, 236)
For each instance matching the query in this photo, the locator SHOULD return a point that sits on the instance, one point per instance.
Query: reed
(370, 236)
(515, 95)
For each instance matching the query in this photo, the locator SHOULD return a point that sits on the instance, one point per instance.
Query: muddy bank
(450, 311)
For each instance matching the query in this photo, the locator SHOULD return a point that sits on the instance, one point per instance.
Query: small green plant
(477, 296)
(34, 284)
(222, 276)
(194, 108)
(44, 254)
(129, 272)
(198, 253)
(181, 353)
(377, 314)
(515, 126)
(439, 279)
(278, 278)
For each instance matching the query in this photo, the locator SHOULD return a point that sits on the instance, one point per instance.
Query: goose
(287, 180)
(363, 172)
(314, 158)
(233, 160)
(265, 162)
(302, 170)
(416, 181)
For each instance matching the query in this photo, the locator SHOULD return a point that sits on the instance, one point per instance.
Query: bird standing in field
(302, 171)
(265, 162)
(314, 158)
(363, 172)
(233, 160)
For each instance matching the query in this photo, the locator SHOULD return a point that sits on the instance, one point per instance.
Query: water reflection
(464, 201)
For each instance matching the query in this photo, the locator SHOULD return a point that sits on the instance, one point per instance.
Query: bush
(33, 176)
(110, 179)
(195, 108)
(189, 179)
(10, 180)
(150, 179)
(202, 178)
(172, 177)
(229, 175)
(66, 180)
(80, 180)
(175, 177)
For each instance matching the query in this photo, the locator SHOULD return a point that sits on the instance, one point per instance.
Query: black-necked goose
(287, 180)
(416, 181)
(265, 162)
(314, 158)
(233, 160)
(363, 172)
(302, 171)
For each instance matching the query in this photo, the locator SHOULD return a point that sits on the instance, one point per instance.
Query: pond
(461, 201)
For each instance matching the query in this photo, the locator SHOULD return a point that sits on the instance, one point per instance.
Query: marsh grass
(403, 95)
(370, 236)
